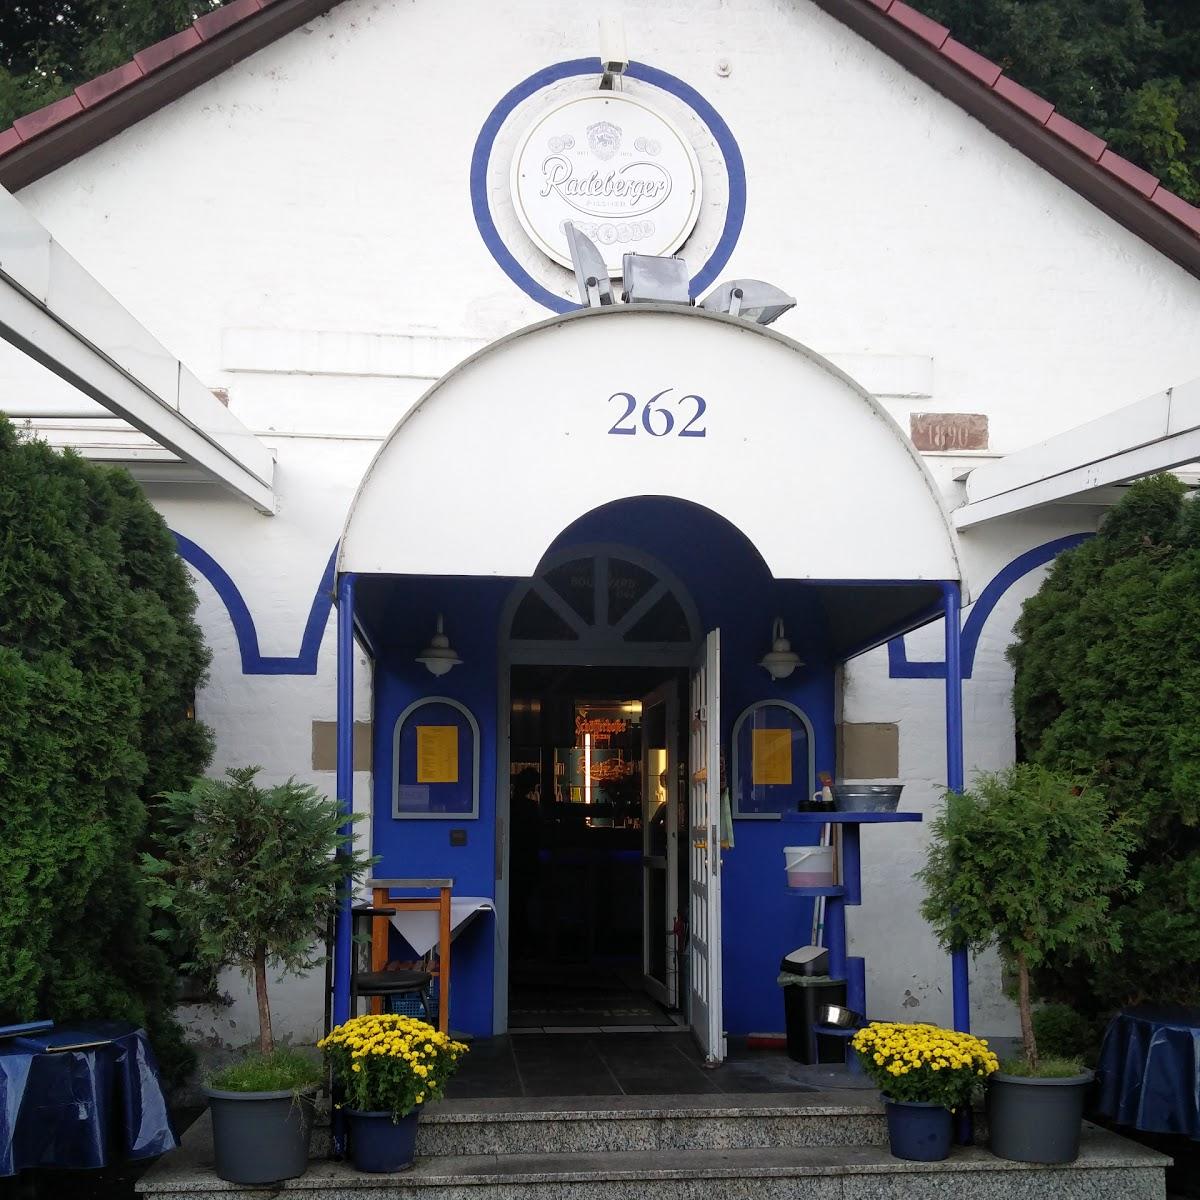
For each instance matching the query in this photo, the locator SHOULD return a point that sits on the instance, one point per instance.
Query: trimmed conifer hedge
(1107, 663)
(100, 658)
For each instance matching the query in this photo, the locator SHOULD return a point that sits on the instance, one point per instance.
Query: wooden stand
(381, 898)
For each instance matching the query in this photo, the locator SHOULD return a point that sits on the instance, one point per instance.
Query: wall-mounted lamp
(438, 657)
(781, 660)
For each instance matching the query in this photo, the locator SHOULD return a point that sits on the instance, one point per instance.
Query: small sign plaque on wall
(948, 432)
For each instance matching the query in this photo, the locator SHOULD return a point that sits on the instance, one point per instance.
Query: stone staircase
(793, 1146)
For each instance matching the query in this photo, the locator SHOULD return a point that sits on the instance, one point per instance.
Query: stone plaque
(949, 431)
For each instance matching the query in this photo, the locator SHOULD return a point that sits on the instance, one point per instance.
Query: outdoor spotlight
(614, 57)
(438, 657)
(749, 298)
(655, 278)
(591, 271)
(781, 660)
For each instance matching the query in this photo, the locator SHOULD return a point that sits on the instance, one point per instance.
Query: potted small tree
(252, 874)
(1028, 860)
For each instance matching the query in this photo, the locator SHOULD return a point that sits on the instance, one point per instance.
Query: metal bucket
(853, 796)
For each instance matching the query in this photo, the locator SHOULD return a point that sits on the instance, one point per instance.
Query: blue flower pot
(918, 1131)
(378, 1143)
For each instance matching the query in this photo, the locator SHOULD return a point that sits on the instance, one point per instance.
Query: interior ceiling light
(438, 656)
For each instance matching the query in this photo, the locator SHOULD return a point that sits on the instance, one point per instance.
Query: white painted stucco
(299, 231)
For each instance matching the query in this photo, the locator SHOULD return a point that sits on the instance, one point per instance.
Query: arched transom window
(602, 604)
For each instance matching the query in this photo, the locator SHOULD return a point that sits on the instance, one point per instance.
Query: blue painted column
(342, 929)
(960, 981)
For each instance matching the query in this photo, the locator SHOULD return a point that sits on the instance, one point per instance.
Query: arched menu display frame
(790, 796)
(430, 796)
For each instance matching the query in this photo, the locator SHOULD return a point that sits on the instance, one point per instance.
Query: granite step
(626, 1123)
(1109, 1168)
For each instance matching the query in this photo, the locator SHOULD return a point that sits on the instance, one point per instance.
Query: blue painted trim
(952, 595)
(253, 661)
(343, 929)
(735, 169)
(898, 665)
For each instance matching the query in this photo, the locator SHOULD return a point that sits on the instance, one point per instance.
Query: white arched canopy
(558, 419)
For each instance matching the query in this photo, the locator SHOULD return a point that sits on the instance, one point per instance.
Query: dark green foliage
(1026, 860)
(1064, 1033)
(1107, 663)
(99, 658)
(251, 874)
(50, 47)
(1128, 70)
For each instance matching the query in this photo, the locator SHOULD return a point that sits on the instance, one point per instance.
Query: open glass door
(660, 720)
(704, 818)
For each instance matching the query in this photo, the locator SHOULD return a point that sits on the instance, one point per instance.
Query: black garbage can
(803, 998)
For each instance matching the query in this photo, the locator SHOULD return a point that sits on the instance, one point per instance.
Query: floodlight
(614, 57)
(591, 271)
(651, 278)
(749, 298)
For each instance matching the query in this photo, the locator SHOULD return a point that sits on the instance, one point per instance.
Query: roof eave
(29, 162)
(1108, 193)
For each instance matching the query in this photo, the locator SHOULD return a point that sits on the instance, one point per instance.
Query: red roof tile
(924, 27)
(970, 60)
(220, 19)
(34, 123)
(1128, 172)
(107, 84)
(1028, 102)
(1179, 208)
(161, 53)
(1082, 139)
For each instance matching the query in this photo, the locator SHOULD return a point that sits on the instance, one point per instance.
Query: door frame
(521, 652)
(667, 992)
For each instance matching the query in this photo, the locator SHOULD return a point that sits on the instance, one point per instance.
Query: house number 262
(660, 415)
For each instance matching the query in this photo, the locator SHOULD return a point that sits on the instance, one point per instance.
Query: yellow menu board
(771, 756)
(437, 753)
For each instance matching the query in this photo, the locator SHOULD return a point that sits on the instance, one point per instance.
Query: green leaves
(1128, 70)
(1029, 860)
(245, 868)
(1107, 685)
(99, 657)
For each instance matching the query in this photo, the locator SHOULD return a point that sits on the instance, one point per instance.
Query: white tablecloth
(420, 929)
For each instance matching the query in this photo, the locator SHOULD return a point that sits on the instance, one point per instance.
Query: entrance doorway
(595, 902)
(610, 850)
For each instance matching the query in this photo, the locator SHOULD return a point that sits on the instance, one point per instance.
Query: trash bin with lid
(804, 994)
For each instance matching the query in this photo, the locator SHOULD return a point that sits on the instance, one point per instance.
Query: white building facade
(327, 226)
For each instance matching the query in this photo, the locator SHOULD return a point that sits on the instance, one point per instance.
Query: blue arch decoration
(898, 665)
(254, 662)
(735, 169)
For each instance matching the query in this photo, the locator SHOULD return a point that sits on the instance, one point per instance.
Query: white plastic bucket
(808, 866)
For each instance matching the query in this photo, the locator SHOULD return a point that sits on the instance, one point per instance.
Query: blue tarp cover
(81, 1108)
(1149, 1072)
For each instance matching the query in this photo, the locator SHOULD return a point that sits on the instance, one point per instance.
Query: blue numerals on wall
(660, 415)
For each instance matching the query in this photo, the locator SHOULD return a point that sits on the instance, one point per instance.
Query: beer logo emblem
(619, 170)
(604, 138)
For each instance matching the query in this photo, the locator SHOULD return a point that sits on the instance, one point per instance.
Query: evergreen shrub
(1107, 659)
(100, 657)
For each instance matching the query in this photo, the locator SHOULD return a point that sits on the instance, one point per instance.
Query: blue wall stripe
(735, 169)
(254, 662)
(305, 663)
(898, 665)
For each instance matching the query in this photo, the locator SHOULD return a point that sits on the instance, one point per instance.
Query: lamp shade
(781, 660)
(438, 656)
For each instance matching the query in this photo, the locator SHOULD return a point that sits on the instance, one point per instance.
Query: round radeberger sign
(623, 173)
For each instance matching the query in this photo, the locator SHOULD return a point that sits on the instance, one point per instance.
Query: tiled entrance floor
(628, 1064)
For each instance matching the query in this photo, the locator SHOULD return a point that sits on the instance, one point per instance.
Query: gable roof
(45, 140)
